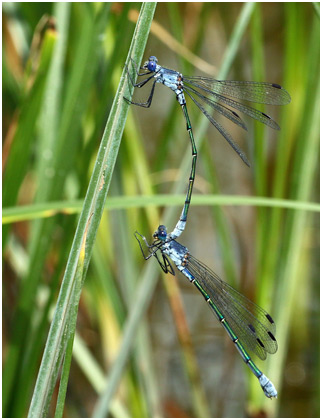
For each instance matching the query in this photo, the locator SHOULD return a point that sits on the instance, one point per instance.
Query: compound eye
(162, 233)
(152, 66)
(152, 63)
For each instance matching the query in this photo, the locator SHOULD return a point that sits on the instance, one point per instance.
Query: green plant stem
(87, 226)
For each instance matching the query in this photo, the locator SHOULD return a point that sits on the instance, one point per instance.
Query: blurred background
(182, 363)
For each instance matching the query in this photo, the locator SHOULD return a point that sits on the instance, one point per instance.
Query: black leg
(143, 82)
(136, 234)
(146, 104)
(141, 68)
(167, 268)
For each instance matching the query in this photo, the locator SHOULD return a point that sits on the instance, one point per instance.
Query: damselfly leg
(154, 251)
(148, 102)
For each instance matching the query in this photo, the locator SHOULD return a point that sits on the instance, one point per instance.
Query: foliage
(144, 348)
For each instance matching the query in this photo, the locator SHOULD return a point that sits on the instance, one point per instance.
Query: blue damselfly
(247, 324)
(218, 95)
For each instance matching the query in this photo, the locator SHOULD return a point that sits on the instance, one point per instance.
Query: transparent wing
(252, 112)
(258, 92)
(221, 130)
(253, 326)
(223, 110)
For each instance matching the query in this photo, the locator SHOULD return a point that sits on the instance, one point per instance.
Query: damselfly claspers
(218, 95)
(246, 323)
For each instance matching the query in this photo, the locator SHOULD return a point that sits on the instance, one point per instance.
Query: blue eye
(162, 232)
(152, 64)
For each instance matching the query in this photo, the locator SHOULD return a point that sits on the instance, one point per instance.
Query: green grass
(73, 194)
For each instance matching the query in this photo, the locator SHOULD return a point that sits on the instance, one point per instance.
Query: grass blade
(86, 230)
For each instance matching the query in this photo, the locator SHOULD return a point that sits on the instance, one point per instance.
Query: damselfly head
(151, 65)
(161, 233)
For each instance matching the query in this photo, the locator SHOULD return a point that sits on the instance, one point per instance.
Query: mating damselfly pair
(248, 325)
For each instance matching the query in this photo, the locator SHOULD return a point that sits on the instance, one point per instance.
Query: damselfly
(247, 324)
(218, 95)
